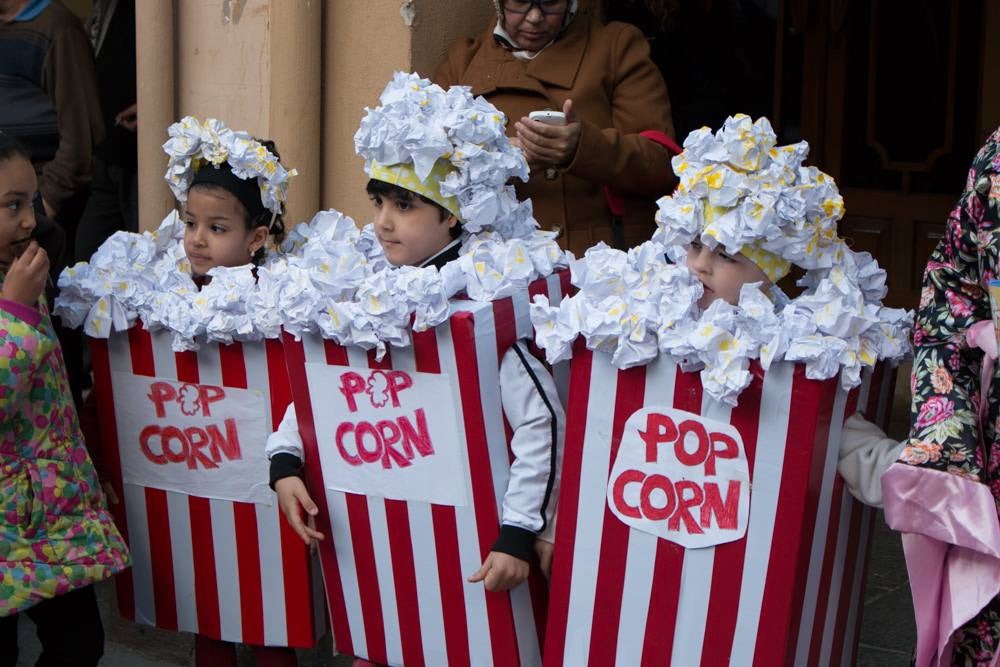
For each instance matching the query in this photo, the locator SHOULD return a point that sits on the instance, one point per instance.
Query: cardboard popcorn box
(184, 437)
(412, 453)
(693, 533)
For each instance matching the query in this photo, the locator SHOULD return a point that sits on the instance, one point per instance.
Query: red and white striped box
(788, 592)
(229, 570)
(395, 570)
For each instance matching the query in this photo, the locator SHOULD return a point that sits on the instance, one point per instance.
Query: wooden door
(890, 103)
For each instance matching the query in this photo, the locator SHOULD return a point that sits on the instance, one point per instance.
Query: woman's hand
(293, 498)
(27, 276)
(501, 572)
(550, 144)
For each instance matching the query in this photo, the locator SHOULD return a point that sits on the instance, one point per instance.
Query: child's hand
(501, 572)
(544, 550)
(292, 499)
(26, 277)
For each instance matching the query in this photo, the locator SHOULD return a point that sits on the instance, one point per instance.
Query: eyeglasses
(547, 7)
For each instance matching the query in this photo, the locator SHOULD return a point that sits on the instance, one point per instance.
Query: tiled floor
(887, 630)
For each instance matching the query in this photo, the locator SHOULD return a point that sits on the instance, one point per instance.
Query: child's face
(410, 231)
(722, 274)
(216, 232)
(18, 185)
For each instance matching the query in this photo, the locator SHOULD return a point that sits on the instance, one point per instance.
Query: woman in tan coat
(539, 55)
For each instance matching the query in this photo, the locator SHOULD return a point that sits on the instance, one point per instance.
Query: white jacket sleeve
(538, 422)
(286, 439)
(865, 453)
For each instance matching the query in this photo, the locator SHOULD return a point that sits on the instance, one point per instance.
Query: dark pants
(68, 626)
(113, 206)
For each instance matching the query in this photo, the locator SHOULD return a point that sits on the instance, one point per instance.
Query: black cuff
(516, 541)
(284, 465)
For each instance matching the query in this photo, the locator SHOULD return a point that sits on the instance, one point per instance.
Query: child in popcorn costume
(704, 289)
(193, 275)
(439, 164)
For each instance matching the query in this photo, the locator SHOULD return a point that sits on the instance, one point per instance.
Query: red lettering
(656, 483)
(728, 450)
(168, 435)
(208, 395)
(367, 455)
(193, 446)
(389, 435)
(659, 429)
(696, 457)
(387, 441)
(145, 436)
(228, 445)
(725, 513)
(618, 493)
(419, 438)
(350, 384)
(684, 505)
(398, 381)
(342, 430)
(197, 440)
(160, 393)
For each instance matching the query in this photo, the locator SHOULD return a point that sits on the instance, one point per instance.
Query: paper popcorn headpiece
(334, 280)
(194, 144)
(330, 277)
(773, 266)
(419, 123)
(739, 190)
(405, 176)
(147, 277)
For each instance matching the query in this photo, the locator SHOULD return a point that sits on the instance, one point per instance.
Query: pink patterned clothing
(55, 532)
(944, 492)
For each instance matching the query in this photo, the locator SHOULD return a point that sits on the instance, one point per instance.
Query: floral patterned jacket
(55, 532)
(944, 493)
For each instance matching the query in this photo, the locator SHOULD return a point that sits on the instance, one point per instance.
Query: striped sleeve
(538, 423)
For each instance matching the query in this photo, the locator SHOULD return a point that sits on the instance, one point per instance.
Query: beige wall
(365, 41)
(224, 69)
(298, 71)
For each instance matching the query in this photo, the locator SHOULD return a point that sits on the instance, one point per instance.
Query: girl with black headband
(233, 190)
(226, 222)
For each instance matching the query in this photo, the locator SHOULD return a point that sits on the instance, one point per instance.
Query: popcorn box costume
(409, 443)
(396, 579)
(702, 520)
(186, 402)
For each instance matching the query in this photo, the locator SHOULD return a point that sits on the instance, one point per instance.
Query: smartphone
(548, 117)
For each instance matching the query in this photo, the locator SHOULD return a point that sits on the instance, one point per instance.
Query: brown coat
(617, 92)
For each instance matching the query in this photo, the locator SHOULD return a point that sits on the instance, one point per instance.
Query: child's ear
(257, 239)
(451, 221)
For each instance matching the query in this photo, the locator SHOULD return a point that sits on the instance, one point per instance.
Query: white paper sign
(388, 433)
(197, 439)
(681, 477)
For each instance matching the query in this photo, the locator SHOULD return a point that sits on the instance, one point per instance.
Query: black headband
(246, 190)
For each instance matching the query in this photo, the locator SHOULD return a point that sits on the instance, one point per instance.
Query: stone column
(296, 71)
(156, 99)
